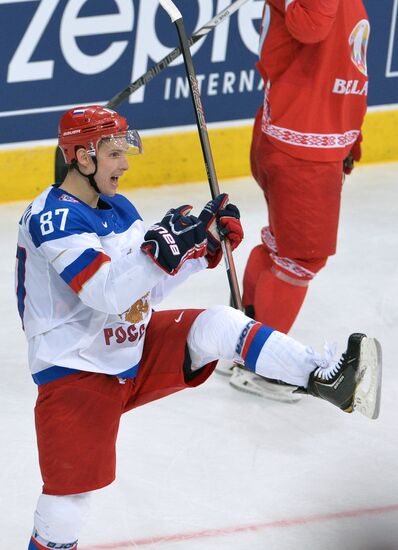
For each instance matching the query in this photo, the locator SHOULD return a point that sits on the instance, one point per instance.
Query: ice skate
(354, 383)
(225, 368)
(249, 382)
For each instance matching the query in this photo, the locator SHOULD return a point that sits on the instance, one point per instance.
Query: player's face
(112, 163)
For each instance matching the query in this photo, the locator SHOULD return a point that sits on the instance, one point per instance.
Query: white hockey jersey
(84, 288)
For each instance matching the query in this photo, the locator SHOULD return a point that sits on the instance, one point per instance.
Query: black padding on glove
(178, 237)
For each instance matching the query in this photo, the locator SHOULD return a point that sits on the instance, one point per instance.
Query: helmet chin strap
(90, 177)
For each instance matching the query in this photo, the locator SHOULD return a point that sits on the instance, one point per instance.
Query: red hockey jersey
(313, 62)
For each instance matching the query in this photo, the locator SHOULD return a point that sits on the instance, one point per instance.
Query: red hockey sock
(258, 262)
(277, 302)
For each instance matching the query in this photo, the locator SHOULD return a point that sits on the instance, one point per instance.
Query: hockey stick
(177, 19)
(165, 62)
(60, 166)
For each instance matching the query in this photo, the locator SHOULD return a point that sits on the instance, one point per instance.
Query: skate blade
(367, 396)
(255, 385)
(225, 368)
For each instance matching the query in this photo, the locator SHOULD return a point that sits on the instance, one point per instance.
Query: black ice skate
(354, 383)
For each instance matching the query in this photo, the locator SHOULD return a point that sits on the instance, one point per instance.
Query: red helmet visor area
(88, 126)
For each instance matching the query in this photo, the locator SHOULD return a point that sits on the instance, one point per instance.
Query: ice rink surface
(216, 469)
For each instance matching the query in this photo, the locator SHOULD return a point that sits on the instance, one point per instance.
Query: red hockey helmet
(87, 126)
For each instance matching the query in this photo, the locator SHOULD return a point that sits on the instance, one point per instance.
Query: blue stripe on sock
(33, 546)
(256, 346)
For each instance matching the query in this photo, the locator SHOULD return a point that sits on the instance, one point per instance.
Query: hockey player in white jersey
(88, 277)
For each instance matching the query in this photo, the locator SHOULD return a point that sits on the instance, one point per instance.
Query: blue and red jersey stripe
(83, 268)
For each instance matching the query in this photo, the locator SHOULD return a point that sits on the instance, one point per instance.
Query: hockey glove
(178, 237)
(353, 156)
(221, 219)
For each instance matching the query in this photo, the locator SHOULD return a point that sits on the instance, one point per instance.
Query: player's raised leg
(351, 382)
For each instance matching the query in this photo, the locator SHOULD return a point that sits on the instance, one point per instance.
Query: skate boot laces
(327, 365)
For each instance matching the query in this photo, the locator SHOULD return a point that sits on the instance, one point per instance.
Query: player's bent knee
(297, 272)
(60, 518)
(314, 264)
(214, 334)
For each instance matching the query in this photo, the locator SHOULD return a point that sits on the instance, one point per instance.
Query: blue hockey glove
(221, 219)
(178, 237)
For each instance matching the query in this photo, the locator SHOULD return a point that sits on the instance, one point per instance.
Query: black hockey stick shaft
(61, 167)
(177, 19)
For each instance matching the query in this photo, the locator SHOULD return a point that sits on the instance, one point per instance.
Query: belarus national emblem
(359, 45)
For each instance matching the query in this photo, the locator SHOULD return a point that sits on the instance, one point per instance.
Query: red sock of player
(277, 302)
(258, 262)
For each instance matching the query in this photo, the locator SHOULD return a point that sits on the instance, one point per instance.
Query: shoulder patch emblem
(358, 42)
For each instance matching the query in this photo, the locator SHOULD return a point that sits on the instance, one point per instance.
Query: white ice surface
(213, 468)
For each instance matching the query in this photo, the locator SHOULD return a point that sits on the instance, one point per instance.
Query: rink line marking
(277, 524)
